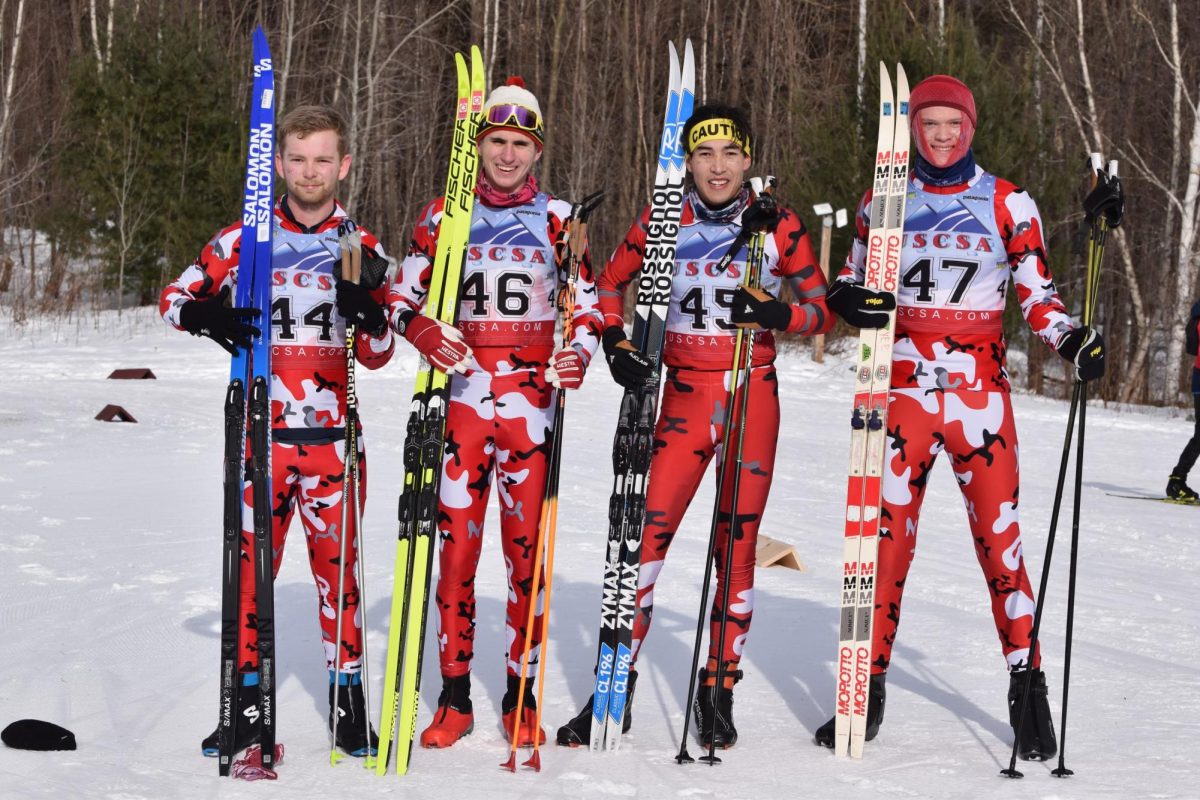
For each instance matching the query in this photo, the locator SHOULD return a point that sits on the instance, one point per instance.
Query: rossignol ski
(249, 379)
(634, 441)
(868, 421)
(425, 438)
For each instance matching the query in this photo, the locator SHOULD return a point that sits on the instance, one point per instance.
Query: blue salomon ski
(250, 380)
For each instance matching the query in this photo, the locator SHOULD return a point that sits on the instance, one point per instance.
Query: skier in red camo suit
(705, 308)
(505, 368)
(966, 234)
(310, 307)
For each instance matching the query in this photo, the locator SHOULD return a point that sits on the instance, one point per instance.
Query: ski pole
(740, 395)
(349, 241)
(575, 242)
(743, 347)
(1099, 225)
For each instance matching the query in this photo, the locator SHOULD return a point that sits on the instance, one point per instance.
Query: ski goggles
(718, 129)
(511, 115)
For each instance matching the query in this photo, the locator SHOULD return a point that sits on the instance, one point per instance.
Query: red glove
(565, 370)
(441, 344)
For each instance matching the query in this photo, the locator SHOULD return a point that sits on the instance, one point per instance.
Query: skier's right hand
(227, 326)
(630, 367)
(858, 305)
(441, 344)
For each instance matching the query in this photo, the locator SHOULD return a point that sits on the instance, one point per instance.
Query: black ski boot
(1035, 739)
(714, 709)
(351, 734)
(248, 730)
(578, 732)
(876, 697)
(1180, 492)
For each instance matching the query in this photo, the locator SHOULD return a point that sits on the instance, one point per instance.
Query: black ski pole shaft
(683, 757)
(743, 345)
(1099, 235)
(741, 400)
(1061, 771)
(1039, 606)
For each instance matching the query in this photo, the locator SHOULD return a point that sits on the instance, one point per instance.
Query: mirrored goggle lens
(520, 116)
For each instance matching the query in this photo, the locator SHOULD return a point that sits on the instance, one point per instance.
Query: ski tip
(478, 80)
(901, 79)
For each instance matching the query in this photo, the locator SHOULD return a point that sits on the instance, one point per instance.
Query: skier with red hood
(966, 234)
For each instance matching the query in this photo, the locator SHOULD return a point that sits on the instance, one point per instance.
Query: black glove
(1107, 198)
(630, 367)
(372, 271)
(860, 306)
(224, 325)
(357, 307)
(1084, 348)
(760, 309)
(762, 214)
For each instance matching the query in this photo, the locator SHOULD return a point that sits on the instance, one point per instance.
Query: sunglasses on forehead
(510, 115)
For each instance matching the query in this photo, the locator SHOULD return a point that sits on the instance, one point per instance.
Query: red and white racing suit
(308, 407)
(501, 413)
(950, 389)
(698, 355)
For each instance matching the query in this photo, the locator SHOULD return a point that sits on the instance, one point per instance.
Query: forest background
(122, 126)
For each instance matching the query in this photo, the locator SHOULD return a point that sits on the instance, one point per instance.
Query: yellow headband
(717, 129)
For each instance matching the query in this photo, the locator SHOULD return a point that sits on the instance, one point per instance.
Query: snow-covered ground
(109, 596)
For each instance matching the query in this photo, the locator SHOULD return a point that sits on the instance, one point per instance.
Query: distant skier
(310, 306)
(966, 232)
(504, 369)
(705, 309)
(1177, 488)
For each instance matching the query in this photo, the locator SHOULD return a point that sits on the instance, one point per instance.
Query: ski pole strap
(760, 186)
(576, 242)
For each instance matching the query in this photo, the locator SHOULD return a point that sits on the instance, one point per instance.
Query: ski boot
(1035, 739)
(352, 733)
(453, 718)
(508, 709)
(714, 708)
(1179, 492)
(876, 697)
(248, 730)
(578, 732)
